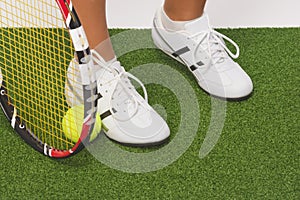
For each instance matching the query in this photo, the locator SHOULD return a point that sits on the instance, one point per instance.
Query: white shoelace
(211, 41)
(122, 78)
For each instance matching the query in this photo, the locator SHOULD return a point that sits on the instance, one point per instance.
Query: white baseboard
(223, 13)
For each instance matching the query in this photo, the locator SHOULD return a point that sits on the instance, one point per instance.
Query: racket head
(38, 40)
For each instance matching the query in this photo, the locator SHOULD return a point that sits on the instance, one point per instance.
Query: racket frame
(83, 54)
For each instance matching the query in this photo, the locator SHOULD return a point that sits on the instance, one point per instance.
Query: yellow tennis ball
(72, 124)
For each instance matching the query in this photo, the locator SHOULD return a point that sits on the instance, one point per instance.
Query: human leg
(92, 14)
(179, 10)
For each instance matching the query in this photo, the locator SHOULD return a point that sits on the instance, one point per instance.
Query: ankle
(105, 49)
(173, 25)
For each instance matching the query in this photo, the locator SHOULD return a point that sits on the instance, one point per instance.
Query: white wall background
(223, 13)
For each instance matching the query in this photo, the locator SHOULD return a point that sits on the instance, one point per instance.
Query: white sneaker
(204, 52)
(127, 117)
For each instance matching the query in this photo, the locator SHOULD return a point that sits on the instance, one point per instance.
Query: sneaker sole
(146, 145)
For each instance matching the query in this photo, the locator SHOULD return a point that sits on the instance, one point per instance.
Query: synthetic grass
(256, 157)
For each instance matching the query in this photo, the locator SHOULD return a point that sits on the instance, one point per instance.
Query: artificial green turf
(256, 157)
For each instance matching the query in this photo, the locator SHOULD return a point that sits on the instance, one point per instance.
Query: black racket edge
(20, 128)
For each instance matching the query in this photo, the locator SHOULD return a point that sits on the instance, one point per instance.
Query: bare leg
(92, 14)
(184, 10)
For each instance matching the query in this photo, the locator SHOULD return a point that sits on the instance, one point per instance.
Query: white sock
(172, 25)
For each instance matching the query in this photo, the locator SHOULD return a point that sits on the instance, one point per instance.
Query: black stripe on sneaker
(99, 96)
(181, 51)
(193, 67)
(200, 63)
(104, 115)
(114, 110)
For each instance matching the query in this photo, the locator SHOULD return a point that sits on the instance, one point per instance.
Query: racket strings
(37, 51)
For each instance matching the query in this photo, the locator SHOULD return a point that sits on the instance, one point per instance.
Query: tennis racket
(38, 41)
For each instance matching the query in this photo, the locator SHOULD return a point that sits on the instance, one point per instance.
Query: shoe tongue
(198, 25)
